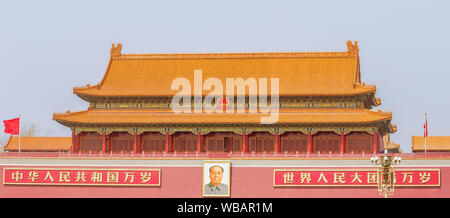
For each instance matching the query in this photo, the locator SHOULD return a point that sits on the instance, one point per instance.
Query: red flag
(222, 102)
(425, 132)
(12, 126)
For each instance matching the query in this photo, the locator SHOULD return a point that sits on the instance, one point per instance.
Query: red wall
(246, 182)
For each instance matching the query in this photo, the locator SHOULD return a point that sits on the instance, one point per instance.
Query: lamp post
(386, 173)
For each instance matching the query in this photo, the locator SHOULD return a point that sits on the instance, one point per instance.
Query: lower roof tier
(38, 144)
(433, 143)
(285, 116)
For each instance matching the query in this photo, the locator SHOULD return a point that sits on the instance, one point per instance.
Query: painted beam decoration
(352, 177)
(88, 176)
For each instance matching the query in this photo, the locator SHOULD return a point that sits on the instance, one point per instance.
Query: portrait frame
(226, 179)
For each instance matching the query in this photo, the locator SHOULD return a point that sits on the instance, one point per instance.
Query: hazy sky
(48, 47)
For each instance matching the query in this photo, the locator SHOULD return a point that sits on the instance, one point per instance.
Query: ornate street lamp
(386, 173)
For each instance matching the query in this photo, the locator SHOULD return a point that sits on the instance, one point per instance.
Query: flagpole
(19, 133)
(426, 132)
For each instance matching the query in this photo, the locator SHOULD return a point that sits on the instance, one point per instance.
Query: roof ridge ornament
(352, 49)
(116, 50)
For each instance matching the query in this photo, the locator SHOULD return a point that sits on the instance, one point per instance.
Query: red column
(104, 143)
(199, 142)
(77, 143)
(375, 142)
(140, 137)
(342, 142)
(277, 142)
(135, 143)
(108, 145)
(167, 142)
(244, 142)
(72, 149)
(310, 142)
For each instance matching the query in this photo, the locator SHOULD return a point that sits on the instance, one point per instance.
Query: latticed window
(293, 142)
(185, 142)
(262, 142)
(326, 142)
(91, 142)
(153, 142)
(211, 144)
(122, 142)
(237, 144)
(359, 142)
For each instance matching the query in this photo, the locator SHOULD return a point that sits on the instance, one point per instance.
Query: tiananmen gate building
(324, 107)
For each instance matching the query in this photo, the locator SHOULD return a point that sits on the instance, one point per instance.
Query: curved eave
(7, 145)
(377, 101)
(91, 93)
(391, 146)
(146, 117)
(392, 128)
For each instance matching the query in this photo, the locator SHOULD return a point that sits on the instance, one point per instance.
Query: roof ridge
(116, 54)
(381, 112)
(88, 86)
(7, 143)
(68, 113)
(280, 110)
(232, 55)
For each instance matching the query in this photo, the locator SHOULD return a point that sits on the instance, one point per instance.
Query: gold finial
(115, 50)
(352, 48)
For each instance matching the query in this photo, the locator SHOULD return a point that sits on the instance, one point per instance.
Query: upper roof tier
(299, 73)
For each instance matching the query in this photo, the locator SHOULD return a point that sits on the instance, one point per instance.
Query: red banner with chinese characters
(353, 177)
(91, 176)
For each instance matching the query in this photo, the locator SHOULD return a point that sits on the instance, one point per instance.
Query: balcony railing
(203, 155)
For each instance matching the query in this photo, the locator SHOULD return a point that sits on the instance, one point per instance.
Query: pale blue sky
(48, 47)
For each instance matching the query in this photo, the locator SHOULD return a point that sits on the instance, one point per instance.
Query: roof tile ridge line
(106, 72)
(379, 112)
(69, 114)
(165, 110)
(7, 143)
(365, 86)
(356, 70)
(98, 85)
(234, 55)
(79, 88)
(238, 53)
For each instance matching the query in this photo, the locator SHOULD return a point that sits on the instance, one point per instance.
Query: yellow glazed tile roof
(391, 145)
(148, 116)
(436, 143)
(39, 144)
(299, 73)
